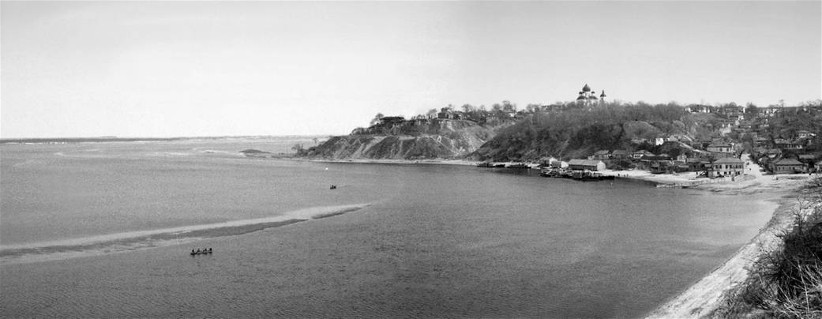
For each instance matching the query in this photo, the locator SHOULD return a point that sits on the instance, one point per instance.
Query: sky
(165, 69)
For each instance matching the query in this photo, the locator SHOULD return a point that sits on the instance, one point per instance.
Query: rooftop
(729, 160)
(788, 161)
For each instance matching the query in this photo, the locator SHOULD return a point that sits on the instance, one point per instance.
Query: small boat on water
(201, 252)
(485, 164)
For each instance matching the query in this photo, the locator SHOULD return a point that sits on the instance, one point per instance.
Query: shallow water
(434, 240)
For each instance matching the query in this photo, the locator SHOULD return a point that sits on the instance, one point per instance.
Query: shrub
(787, 282)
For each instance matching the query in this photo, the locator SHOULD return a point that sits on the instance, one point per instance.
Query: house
(760, 141)
(728, 166)
(730, 110)
(771, 110)
(447, 113)
(582, 165)
(696, 108)
(787, 166)
(696, 164)
(804, 134)
(656, 164)
(620, 155)
(559, 164)
(788, 144)
(601, 155)
(391, 120)
(546, 161)
(720, 148)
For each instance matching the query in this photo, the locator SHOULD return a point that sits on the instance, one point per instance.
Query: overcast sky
(80, 69)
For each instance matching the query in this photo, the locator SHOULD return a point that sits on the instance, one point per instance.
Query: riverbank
(399, 161)
(709, 293)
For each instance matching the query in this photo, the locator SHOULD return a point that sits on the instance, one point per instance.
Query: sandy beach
(701, 299)
(400, 161)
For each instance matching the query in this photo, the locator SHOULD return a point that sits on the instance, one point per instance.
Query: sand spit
(129, 241)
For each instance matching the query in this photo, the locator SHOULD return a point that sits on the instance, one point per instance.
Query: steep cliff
(421, 139)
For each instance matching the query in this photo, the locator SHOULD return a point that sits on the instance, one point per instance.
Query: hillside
(578, 133)
(568, 131)
(408, 140)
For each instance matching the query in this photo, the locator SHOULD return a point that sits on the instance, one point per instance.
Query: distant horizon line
(144, 138)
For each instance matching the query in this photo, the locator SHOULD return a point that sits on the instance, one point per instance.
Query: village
(742, 139)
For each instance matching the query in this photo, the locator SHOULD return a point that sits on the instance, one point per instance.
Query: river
(105, 230)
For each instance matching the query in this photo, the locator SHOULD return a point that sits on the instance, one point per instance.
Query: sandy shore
(400, 162)
(707, 294)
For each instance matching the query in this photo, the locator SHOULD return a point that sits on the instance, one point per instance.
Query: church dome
(586, 88)
(603, 94)
(580, 97)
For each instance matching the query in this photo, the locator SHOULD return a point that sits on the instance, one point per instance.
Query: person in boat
(333, 186)
(209, 250)
(192, 252)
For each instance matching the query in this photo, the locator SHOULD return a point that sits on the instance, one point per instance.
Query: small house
(620, 154)
(696, 164)
(728, 166)
(559, 164)
(391, 120)
(720, 148)
(786, 144)
(582, 165)
(602, 155)
(788, 166)
(656, 164)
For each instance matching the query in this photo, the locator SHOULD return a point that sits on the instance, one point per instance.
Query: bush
(787, 282)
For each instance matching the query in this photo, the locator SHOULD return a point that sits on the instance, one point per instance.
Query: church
(589, 97)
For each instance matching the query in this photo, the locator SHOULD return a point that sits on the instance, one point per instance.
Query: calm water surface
(429, 240)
